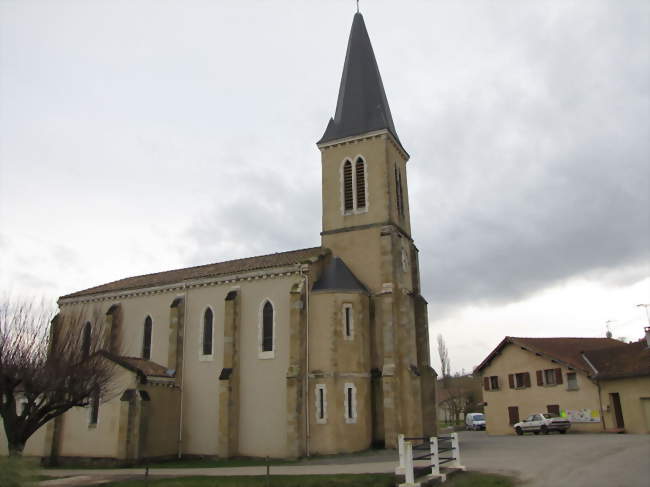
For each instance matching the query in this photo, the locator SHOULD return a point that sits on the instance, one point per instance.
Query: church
(314, 351)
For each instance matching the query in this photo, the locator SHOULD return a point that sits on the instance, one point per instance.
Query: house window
(348, 322)
(321, 403)
(554, 410)
(491, 383)
(206, 347)
(146, 338)
(360, 173)
(549, 377)
(350, 403)
(572, 381)
(267, 329)
(93, 415)
(85, 340)
(519, 380)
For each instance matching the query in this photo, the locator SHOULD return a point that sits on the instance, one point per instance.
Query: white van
(475, 421)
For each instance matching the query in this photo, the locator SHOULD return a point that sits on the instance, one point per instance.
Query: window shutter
(558, 376)
(540, 378)
(348, 199)
(361, 183)
(511, 381)
(486, 383)
(527, 379)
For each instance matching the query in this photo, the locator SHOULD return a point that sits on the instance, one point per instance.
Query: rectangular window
(572, 381)
(348, 325)
(94, 409)
(549, 377)
(350, 403)
(321, 404)
(553, 410)
(491, 383)
(522, 380)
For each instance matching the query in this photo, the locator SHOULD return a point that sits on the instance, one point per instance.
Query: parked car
(542, 423)
(475, 421)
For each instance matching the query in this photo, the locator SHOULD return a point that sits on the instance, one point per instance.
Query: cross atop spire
(362, 105)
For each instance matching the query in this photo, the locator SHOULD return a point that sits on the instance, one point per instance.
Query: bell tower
(366, 223)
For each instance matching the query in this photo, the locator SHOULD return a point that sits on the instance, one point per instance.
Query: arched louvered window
(348, 197)
(360, 173)
(146, 338)
(85, 340)
(267, 327)
(207, 332)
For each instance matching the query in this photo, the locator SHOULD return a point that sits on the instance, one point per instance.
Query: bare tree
(48, 365)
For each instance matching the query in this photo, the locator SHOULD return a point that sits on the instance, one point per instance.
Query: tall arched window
(146, 338)
(348, 197)
(398, 192)
(360, 173)
(206, 348)
(85, 340)
(267, 327)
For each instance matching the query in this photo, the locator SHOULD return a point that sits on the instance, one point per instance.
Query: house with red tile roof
(523, 376)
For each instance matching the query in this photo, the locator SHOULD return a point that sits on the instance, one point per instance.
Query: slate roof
(204, 271)
(630, 360)
(338, 277)
(362, 105)
(566, 350)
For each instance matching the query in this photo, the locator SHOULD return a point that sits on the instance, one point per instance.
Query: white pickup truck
(542, 423)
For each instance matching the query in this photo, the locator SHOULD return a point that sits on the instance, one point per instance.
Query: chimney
(647, 336)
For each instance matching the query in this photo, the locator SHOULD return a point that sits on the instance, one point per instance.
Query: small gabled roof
(565, 350)
(338, 277)
(629, 360)
(142, 367)
(362, 105)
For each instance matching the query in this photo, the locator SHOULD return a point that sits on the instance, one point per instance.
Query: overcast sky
(144, 135)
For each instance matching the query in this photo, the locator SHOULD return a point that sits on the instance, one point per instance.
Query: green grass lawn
(477, 479)
(368, 480)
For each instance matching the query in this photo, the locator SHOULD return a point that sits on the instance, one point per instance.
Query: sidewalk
(382, 462)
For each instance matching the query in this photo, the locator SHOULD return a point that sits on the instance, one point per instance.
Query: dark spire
(362, 105)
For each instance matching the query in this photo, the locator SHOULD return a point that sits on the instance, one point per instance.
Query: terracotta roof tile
(631, 360)
(567, 350)
(203, 271)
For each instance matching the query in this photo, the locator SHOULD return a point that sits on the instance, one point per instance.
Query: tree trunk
(16, 449)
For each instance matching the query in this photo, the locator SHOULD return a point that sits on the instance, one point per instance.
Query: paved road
(572, 460)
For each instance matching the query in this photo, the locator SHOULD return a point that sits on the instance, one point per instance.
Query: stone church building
(313, 351)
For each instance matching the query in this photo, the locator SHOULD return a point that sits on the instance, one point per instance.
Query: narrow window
(267, 327)
(398, 197)
(321, 404)
(361, 183)
(350, 403)
(348, 325)
(572, 381)
(348, 198)
(85, 340)
(401, 193)
(146, 339)
(94, 408)
(207, 332)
